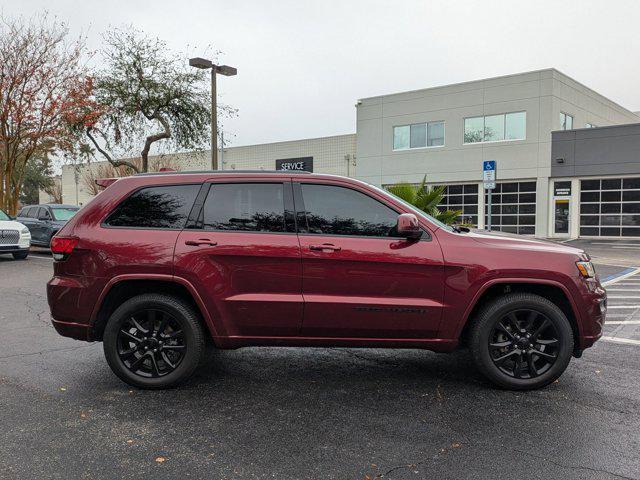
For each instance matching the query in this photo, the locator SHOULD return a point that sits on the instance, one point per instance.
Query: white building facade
(447, 132)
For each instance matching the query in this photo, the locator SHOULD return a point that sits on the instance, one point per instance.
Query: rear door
(243, 256)
(41, 227)
(359, 280)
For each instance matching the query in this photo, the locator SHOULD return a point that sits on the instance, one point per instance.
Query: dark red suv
(158, 265)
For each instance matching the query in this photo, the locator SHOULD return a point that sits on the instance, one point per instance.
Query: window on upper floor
(566, 121)
(590, 125)
(418, 135)
(496, 128)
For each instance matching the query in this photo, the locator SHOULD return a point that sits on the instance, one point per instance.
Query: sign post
(489, 179)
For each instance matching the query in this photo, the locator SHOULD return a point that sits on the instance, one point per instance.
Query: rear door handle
(324, 247)
(201, 241)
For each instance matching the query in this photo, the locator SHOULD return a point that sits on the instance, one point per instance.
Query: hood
(10, 225)
(511, 240)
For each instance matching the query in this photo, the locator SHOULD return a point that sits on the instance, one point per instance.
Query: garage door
(464, 198)
(513, 207)
(610, 207)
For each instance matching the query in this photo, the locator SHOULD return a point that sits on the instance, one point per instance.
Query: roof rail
(303, 172)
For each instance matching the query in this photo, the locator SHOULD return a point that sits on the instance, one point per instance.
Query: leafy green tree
(146, 94)
(426, 199)
(37, 176)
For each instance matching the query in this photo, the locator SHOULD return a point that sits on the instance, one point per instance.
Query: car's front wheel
(20, 255)
(154, 341)
(521, 341)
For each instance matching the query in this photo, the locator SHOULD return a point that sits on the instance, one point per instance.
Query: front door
(561, 216)
(359, 280)
(243, 256)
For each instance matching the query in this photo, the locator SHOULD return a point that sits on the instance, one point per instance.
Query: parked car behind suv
(44, 221)
(14, 237)
(158, 263)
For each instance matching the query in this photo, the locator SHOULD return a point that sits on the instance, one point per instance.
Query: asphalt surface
(289, 413)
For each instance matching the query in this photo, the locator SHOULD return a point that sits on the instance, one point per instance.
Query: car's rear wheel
(154, 341)
(20, 255)
(521, 341)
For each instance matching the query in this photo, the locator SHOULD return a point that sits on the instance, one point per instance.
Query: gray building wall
(542, 94)
(613, 150)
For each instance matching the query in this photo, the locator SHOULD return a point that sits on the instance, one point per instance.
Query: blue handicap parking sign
(488, 165)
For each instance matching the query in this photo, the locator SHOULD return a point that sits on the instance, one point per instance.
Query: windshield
(416, 210)
(4, 216)
(63, 214)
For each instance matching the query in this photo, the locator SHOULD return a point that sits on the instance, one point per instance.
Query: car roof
(51, 205)
(226, 172)
(59, 205)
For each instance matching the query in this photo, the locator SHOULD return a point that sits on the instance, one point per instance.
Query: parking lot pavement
(611, 252)
(306, 413)
(623, 316)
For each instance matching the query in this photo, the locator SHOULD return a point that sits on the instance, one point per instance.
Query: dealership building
(567, 158)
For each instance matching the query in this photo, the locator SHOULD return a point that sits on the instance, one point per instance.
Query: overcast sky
(303, 64)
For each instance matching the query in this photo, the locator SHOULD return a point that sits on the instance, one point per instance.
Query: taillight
(61, 247)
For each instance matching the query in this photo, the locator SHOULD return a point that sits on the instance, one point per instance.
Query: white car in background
(14, 237)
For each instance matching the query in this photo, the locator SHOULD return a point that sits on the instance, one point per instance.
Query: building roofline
(290, 141)
(498, 77)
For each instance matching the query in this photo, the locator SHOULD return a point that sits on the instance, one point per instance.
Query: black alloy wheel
(154, 341)
(524, 343)
(521, 341)
(151, 343)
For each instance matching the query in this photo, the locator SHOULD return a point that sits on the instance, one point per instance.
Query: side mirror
(408, 226)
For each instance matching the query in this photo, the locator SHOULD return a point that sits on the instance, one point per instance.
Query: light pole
(227, 71)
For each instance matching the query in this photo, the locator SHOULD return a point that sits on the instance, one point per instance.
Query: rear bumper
(77, 331)
(71, 304)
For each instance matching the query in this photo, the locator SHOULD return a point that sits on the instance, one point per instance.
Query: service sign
(302, 164)
(562, 189)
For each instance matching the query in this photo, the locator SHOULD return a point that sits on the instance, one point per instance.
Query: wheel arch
(122, 288)
(553, 291)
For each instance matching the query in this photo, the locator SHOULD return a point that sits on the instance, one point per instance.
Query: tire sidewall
(497, 311)
(188, 323)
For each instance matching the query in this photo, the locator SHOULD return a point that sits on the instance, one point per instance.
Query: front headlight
(24, 231)
(587, 270)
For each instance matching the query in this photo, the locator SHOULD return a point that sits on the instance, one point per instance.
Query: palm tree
(426, 199)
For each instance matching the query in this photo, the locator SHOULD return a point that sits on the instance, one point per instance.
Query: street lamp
(227, 71)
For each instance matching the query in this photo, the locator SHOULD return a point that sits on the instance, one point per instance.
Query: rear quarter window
(155, 207)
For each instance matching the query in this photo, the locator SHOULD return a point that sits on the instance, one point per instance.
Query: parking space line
(623, 297)
(629, 307)
(614, 243)
(628, 273)
(40, 257)
(623, 322)
(626, 341)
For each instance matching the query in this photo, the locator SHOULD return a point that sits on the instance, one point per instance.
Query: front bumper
(13, 248)
(594, 316)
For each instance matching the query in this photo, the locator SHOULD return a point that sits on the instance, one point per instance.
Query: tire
(137, 356)
(20, 255)
(521, 341)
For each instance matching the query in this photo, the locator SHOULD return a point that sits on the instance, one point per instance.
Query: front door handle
(325, 247)
(201, 241)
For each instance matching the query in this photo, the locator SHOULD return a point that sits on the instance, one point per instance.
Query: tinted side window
(334, 210)
(33, 212)
(155, 207)
(250, 207)
(43, 214)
